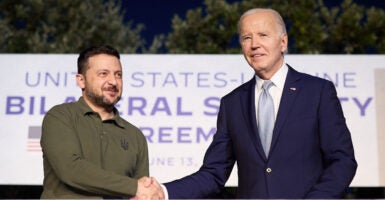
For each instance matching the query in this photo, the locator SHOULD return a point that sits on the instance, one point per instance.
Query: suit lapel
(290, 91)
(248, 110)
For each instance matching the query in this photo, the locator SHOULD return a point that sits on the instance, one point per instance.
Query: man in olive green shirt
(89, 151)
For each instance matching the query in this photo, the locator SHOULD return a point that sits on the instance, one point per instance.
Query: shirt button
(268, 170)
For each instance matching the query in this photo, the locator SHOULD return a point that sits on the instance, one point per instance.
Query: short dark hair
(91, 51)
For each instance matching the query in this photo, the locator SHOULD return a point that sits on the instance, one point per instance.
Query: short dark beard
(100, 100)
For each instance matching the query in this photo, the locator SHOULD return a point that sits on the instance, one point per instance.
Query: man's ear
(284, 43)
(80, 80)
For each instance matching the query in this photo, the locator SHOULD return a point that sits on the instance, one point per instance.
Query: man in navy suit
(309, 153)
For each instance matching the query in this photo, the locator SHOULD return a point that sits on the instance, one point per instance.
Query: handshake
(149, 188)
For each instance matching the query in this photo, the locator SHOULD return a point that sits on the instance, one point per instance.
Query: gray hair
(278, 18)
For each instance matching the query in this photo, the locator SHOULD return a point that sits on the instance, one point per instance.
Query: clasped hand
(149, 188)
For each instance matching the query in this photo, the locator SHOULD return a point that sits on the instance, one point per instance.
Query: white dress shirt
(275, 90)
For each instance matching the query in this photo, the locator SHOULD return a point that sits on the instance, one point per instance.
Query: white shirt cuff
(164, 191)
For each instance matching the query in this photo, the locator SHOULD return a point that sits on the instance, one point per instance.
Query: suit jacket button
(268, 170)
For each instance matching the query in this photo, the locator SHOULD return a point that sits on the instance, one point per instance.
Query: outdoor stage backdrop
(174, 100)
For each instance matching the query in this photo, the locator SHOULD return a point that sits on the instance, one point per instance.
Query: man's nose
(255, 43)
(112, 80)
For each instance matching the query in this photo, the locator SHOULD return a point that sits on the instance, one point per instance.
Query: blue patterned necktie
(266, 116)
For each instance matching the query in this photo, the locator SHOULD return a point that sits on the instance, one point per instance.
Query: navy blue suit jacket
(311, 154)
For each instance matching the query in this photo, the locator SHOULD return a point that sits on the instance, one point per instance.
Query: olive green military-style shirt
(85, 157)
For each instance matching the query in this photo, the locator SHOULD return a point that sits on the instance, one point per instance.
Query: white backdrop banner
(174, 100)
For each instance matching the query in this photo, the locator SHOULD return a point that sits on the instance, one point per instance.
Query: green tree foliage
(51, 26)
(210, 31)
(375, 27)
(353, 29)
(312, 27)
(306, 34)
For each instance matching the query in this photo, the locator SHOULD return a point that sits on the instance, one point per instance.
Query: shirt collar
(85, 109)
(278, 78)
